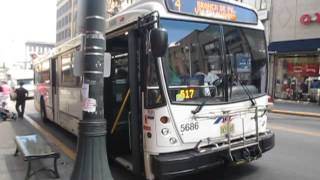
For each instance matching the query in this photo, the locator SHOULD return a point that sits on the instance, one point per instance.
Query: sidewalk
(15, 168)
(296, 108)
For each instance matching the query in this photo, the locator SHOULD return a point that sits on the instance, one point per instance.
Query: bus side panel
(70, 111)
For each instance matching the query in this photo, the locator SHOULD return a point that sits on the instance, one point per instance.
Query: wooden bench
(33, 147)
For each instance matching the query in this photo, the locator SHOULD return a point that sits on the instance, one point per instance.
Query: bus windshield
(222, 63)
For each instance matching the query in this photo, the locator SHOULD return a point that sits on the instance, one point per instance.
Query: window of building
(297, 77)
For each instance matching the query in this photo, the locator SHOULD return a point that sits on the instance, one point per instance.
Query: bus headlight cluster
(173, 140)
(164, 119)
(165, 131)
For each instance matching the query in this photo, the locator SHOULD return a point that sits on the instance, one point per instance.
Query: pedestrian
(21, 97)
(6, 91)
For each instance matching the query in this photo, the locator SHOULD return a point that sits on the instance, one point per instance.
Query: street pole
(91, 161)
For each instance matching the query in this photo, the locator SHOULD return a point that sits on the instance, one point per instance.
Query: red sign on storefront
(304, 69)
(307, 19)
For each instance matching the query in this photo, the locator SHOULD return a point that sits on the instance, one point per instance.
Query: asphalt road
(293, 158)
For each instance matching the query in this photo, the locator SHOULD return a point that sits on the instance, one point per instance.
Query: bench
(33, 147)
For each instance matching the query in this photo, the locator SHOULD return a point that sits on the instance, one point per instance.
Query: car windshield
(213, 61)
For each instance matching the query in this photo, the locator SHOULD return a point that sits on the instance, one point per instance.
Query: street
(293, 157)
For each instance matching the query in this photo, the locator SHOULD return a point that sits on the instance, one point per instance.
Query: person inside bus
(21, 97)
(211, 80)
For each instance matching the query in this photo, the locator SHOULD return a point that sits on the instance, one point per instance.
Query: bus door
(122, 102)
(54, 91)
(116, 100)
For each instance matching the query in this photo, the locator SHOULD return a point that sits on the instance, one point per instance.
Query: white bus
(58, 91)
(186, 92)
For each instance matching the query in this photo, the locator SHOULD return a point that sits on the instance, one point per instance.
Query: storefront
(295, 68)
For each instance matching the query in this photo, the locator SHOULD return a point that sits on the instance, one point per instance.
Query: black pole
(92, 162)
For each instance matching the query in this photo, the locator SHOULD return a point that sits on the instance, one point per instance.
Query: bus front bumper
(192, 161)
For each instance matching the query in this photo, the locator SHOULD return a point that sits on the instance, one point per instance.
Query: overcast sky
(25, 20)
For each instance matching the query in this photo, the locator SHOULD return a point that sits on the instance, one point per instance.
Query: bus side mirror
(107, 65)
(159, 42)
(78, 63)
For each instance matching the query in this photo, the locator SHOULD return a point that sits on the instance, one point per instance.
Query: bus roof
(72, 43)
(141, 8)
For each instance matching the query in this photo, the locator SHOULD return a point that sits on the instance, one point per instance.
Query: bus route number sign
(213, 9)
(185, 94)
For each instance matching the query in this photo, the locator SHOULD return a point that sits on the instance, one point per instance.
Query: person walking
(21, 94)
(6, 91)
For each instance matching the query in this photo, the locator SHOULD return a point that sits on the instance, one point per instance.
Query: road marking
(66, 150)
(296, 113)
(294, 130)
(294, 117)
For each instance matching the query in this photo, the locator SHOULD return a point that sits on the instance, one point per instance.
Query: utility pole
(92, 162)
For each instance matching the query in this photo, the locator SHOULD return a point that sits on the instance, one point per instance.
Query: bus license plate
(225, 128)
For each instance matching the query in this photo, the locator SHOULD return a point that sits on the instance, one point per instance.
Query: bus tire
(43, 114)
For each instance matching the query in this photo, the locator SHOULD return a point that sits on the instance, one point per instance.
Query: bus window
(193, 64)
(67, 77)
(44, 76)
(245, 51)
(154, 96)
(120, 78)
(37, 71)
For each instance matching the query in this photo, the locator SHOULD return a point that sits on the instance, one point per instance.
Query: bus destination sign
(213, 9)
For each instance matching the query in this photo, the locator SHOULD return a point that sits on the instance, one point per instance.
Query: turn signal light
(164, 119)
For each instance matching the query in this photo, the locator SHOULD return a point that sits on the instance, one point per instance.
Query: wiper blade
(247, 91)
(198, 109)
(204, 102)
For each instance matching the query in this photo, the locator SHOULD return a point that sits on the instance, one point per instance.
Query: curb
(316, 115)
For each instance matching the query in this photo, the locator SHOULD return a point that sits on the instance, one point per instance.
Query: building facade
(69, 25)
(295, 50)
(34, 49)
(263, 8)
(66, 20)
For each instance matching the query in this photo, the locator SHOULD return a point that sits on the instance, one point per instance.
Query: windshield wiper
(199, 107)
(247, 91)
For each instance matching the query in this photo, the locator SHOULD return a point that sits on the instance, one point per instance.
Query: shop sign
(307, 19)
(303, 69)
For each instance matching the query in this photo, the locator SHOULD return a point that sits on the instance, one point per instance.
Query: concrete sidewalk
(296, 108)
(15, 168)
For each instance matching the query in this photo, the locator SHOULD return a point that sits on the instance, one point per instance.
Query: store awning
(306, 45)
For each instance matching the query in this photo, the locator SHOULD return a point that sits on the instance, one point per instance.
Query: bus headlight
(173, 140)
(165, 131)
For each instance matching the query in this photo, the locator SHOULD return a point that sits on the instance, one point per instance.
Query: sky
(25, 20)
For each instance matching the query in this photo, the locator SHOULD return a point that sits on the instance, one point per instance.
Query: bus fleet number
(189, 127)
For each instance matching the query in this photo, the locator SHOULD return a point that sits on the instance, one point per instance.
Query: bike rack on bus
(245, 143)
